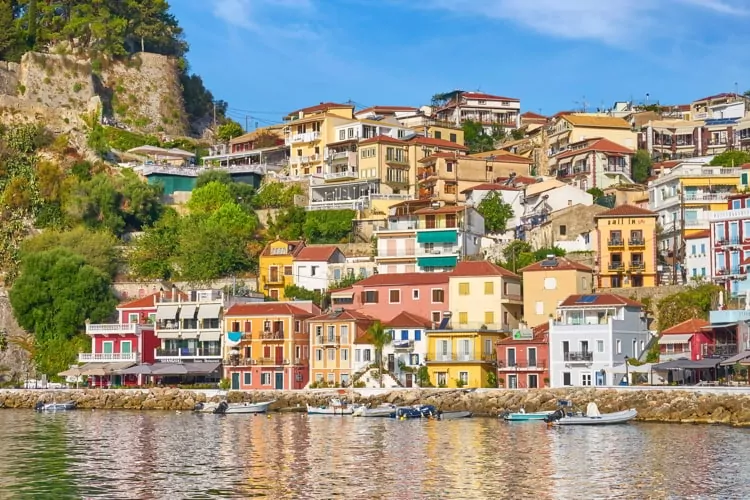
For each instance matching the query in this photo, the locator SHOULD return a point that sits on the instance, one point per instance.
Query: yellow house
(461, 358)
(339, 347)
(552, 280)
(627, 247)
(276, 266)
(484, 296)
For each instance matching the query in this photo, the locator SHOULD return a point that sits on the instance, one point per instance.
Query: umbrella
(98, 371)
(73, 371)
(169, 369)
(137, 370)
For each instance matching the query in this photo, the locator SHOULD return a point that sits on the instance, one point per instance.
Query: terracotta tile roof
(323, 106)
(541, 336)
(596, 121)
(487, 97)
(385, 109)
(481, 268)
(266, 309)
(318, 254)
(723, 95)
(562, 113)
(382, 138)
(602, 299)
(408, 320)
(404, 279)
(693, 325)
(532, 115)
(440, 143)
(490, 187)
(149, 301)
(599, 145)
(444, 154)
(563, 264)
(703, 233)
(509, 158)
(745, 166)
(345, 315)
(626, 211)
(447, 209)
(296, 245)
(519, 179)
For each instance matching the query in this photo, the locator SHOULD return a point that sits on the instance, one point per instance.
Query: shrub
(77, 87)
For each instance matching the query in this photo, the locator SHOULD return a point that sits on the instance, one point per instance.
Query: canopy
(209, 311)
(202, 368)
(99, 369)
(167, 312)
(164, 369)
(737, 358)
(210, 336)
(137, 370)
(188, 311)
(681, 338)
(157, 151)
(688, 364)
(73, 371)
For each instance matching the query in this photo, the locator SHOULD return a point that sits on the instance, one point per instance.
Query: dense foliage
(478, 140)
(320, 226)
(732, 158)
(692, 302)
(641, 166)
(496, 212)
(519, 254)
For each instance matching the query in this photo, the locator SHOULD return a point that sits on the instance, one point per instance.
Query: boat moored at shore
(591, 417)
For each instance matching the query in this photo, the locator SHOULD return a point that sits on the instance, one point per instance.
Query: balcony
(719, 350)
(723, 215)
(636, 242)
(637, 267)
(340, 176)
(434, 252)
(522, 366)
(617, 169)
(117, 329)
(268, 335)
(300, 138)
(478, 325)
(406, 224)
(512, 297)
(728, 316)
(616, 267)
(403, 345)
(396, 254)
(616, 243)
(276, 280)
(459, 358)
(270, 361)
(327, 339)
(186, 352)
(578, 356)
(349, 158)
(87, 357)
(718, 197)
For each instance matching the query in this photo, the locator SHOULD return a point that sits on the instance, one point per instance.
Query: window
(318, 354)
(489, 287)
(531, 356)
(133, 318)
(449, 166)
(600, 346)
(563, 229)
(415, 294)
(532, 381)
(350, 132)
(452, 138)
(344, 355)
(331, 354)
(539, 307)
(463, 318)
(366, 355)
(370, 297)
(414, 359)
(288, 270)
(463, 377)
(463, 289)
(265, 378)
(394, 296)
(566, 378)
(438, 296)
(619, 346)
(438, 134)
(357, 355)
(512, 381)
(436, 316)
(442, 379)
(342, 135)
(585, 379)
(511, 356)
(743, 177)
(344, 331)
(489, 317)
(337, 274)
(404, 334)
(248, 378)
(313, 270)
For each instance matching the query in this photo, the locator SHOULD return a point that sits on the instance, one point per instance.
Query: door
(408, 381)
(601, 378)
(274, 275)
(512, 382)
(236, 381)
(410, 247)
(279, 355)
(126, 347)
(279, 381)
(108, 347)
(391, 363)
(532, 356)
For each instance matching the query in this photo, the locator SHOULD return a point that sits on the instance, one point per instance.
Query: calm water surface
(132, 455)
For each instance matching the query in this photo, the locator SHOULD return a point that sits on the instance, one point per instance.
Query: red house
(686, 340)
(523, 359)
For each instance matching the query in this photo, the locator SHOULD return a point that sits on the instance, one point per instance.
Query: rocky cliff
(14, 360)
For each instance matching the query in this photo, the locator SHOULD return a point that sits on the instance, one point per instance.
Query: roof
(502, 155)
(385, 109)
(149, 300)
(541, 335)
(690, 326)
(723, 95)
(562, 264)
(319, 254)
(519, 179)
(600, 145)
(481, 268)
(446, 154)
(626, 211)
(490, 187)
(487, 97)
(402, 279)
(599, 299)
(272, 130)
(703, 233)
(447, 209)
(344, 315)
(266, 309)
(297, 244)
(440, 143)
(408, 320)
(323, 106)
(533, 116)
(383, 138)
(596, 121)
(541, 187)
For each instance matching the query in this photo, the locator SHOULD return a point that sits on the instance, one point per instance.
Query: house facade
(462, 357)
(311, 266)
(730, 245)
(627, 247)
(685, 340)
(406, 353)
(595, 162)
(698, 255)
(266, 345)
(276, 267)
(523, 357)
(571, 228)
(487, 109)
(590, 335)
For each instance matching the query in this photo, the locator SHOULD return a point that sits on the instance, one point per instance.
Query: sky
(270, 57)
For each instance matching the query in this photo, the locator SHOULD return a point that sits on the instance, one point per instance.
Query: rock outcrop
(652, 405)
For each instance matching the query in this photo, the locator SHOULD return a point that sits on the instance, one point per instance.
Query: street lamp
(627, 371)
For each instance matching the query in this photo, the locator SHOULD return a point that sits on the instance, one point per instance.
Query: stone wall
(8, 78)
(651, 294)
(694, 406)
(14, 360)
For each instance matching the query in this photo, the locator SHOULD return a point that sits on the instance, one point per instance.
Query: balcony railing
(116, 329)
(460, 357)
(186, 352)
(540, 364)
(578, 356)
(272, 336)
(636, 242)
(304, 137)
(717, 350)
(707, 197)
(327, 339)
(341, 175)
(616, 266)
(86, 357)
(615, 242)
(637, 266)
(478, 325)
(403, 345)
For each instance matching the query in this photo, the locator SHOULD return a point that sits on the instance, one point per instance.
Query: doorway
(236, 381)
(279, 381)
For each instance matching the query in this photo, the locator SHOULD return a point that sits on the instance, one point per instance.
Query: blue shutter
(417, 334)
(404, 334)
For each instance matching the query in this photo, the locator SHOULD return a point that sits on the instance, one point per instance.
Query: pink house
(685, 340)
(385, 296)
(523, 359)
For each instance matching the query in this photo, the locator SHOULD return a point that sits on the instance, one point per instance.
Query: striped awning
(682, 338)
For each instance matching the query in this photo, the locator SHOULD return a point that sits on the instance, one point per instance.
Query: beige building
(552, 280)
(483, 294)
(572, 228)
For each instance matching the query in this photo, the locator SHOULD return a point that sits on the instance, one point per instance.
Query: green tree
(209, 198)
(277, 195)
(496, 212)
(220, 176)
(8, 35)
(240, 192)
(595, 192)
(692, 302)
(229, 130)
(641, 166)
(517, 134)
(518, 254)
(475, 137)
(328, 226)
(289, 224)
(380, 337)
(295, 292)
(732, 158)
(152, 255)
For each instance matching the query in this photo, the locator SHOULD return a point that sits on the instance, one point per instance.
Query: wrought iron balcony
(578, 356)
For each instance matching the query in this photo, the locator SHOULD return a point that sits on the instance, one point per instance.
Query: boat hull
(329, 410)
(237, 408)
(619, 417)
(380, 412)
(527, 417)
(67, 406)
(454, 415)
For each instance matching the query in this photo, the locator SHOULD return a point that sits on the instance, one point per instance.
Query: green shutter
(744, 179)
(446, 236)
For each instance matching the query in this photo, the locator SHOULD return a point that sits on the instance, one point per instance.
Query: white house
(310, 266)
(543, 198)
(361, 267)
(698, 255)
(592, 334)
(404, 356)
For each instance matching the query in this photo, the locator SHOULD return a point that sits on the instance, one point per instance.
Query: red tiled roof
(345, 315)
(626, 211)
(519, 179)
(440, 143)
(487, 97)
(509, 158)
(448, 209)
(599, 145)
(444, 154)
(718, 96)
(693, 325)
(323, 106)
(297, 245)
(399, 279)
(490, 187)
(382, 138)
(532, 115)
(602, 299)
(745, 166)
(318, 254)
(149, 300)
(703, 233)
(563, 264)
(386, 109)
(481, 268)
(266, 309)
(408, 320)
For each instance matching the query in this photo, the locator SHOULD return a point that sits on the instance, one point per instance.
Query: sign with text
(523, 334)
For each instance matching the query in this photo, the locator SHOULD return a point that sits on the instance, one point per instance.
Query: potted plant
(501, 382)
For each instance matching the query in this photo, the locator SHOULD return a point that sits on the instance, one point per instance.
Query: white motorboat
(591, 417)
(334, 407)
(379, 411)
(66, 406)
(224, 408)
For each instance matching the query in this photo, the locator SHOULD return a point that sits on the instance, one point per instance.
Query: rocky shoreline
(652, 405)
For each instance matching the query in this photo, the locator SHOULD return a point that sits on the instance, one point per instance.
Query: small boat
(66, 406)
(406, 412)
(453, 415)
(334, 407)
(378, 411)
(225, 408)
(522, 416)
(591, 417)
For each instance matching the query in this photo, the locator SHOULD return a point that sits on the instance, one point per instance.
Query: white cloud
(273, 19)
(719, 6)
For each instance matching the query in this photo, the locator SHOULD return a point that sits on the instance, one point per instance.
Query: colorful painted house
(276, 264)
(267, 345)
(406, 353)
(462, 358)
(522, 358)
(685, 340)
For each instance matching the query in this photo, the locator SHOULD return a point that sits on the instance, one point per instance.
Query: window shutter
(362, 297)
(376, 297)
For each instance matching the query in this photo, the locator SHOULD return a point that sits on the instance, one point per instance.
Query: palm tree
(379, 337)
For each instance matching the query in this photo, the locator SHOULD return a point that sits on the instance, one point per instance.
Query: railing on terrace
(303, 137)
(578, 356)
(395, 254)
(327, 339)
(707, 197)
(253, 168)
(738, 213)
(85, 357)
(615, 242)
(116, 328)
(186, 352)
(341, 175)
(636, 242)
(460, 357)
(540, 364)
(478, 325)
(711, 350)
(272, 336)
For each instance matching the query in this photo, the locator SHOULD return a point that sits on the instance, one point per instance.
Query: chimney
(174, 293)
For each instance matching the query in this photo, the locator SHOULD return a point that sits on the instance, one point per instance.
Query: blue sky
(269, 57)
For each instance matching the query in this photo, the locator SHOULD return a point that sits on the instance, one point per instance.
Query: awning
(71, 372)
(137, 370)
(167, 312)
(103, 369)
(202, 368)
(188, 311)
(189, 335)
(168, 334)
(342, 295)
(168, 369)
(736, 358)
(209, 311)
(210, 336)
(437, 261)
(446, 236)
(718, 325)
(682, 338)
(687, 364)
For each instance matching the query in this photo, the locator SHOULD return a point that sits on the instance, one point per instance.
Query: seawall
(731, 407)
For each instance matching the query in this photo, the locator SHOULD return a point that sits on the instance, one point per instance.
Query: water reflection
(168, 455)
